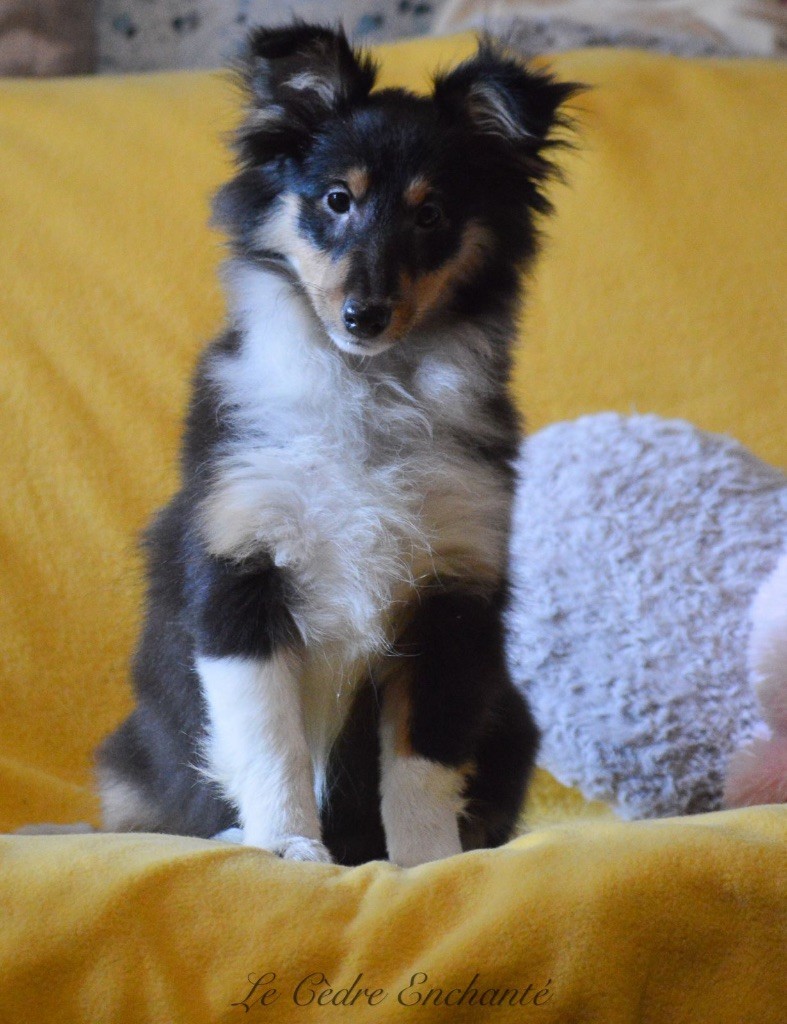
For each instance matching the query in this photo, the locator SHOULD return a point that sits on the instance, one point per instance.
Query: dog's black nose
(366, 319)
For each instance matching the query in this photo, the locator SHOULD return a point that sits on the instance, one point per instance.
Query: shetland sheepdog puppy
(322, 665)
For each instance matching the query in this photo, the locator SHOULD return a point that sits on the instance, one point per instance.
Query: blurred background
(56, 37)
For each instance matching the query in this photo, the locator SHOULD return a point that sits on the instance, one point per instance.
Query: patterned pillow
(47, 37)
(689, 28)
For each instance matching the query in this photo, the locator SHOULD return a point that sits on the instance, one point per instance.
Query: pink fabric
(758, 774)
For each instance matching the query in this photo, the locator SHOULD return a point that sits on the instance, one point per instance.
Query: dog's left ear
(503, 99)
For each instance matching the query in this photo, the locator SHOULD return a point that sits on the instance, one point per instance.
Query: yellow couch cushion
(661, 289)
(657, 922)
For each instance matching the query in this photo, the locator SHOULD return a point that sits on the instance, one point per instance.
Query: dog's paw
(302, 848)
(47, 829)
(286, 847)
(229, 835)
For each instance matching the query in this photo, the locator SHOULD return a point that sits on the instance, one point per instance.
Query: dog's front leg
(436, 702)
(421, 797)
(257, 751)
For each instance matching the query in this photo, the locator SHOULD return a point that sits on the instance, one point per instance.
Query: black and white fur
(321, 662)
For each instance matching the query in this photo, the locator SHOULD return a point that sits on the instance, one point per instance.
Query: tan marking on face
(357, 179)
(403, 313)
(434, 288)
(415, 193)
(427, 293)
(322, 277)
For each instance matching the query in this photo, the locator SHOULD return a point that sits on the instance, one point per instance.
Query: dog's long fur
(322, 657)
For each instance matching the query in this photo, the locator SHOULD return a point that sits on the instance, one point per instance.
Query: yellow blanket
(661, 289)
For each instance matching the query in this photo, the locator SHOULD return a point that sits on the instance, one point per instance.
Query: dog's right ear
(294, 78)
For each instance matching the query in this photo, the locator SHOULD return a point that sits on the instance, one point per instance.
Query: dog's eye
(338, 200)
(428, 215)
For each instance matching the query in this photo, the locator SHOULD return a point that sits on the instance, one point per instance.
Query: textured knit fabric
(661, 287)
(638, 546)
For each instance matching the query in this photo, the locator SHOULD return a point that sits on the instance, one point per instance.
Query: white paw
(229, 835)
(46, 829)
(286, 847)
(302, 848)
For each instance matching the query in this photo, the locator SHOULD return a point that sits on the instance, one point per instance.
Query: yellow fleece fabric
(661, 288)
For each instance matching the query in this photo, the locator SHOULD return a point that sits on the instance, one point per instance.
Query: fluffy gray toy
(639, 544)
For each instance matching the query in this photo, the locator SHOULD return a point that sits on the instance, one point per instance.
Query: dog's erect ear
(296, 77)
(501, 98)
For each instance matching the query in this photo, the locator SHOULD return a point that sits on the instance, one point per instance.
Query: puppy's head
(392, 210)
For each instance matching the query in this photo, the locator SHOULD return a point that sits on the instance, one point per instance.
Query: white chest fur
(345, 473)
